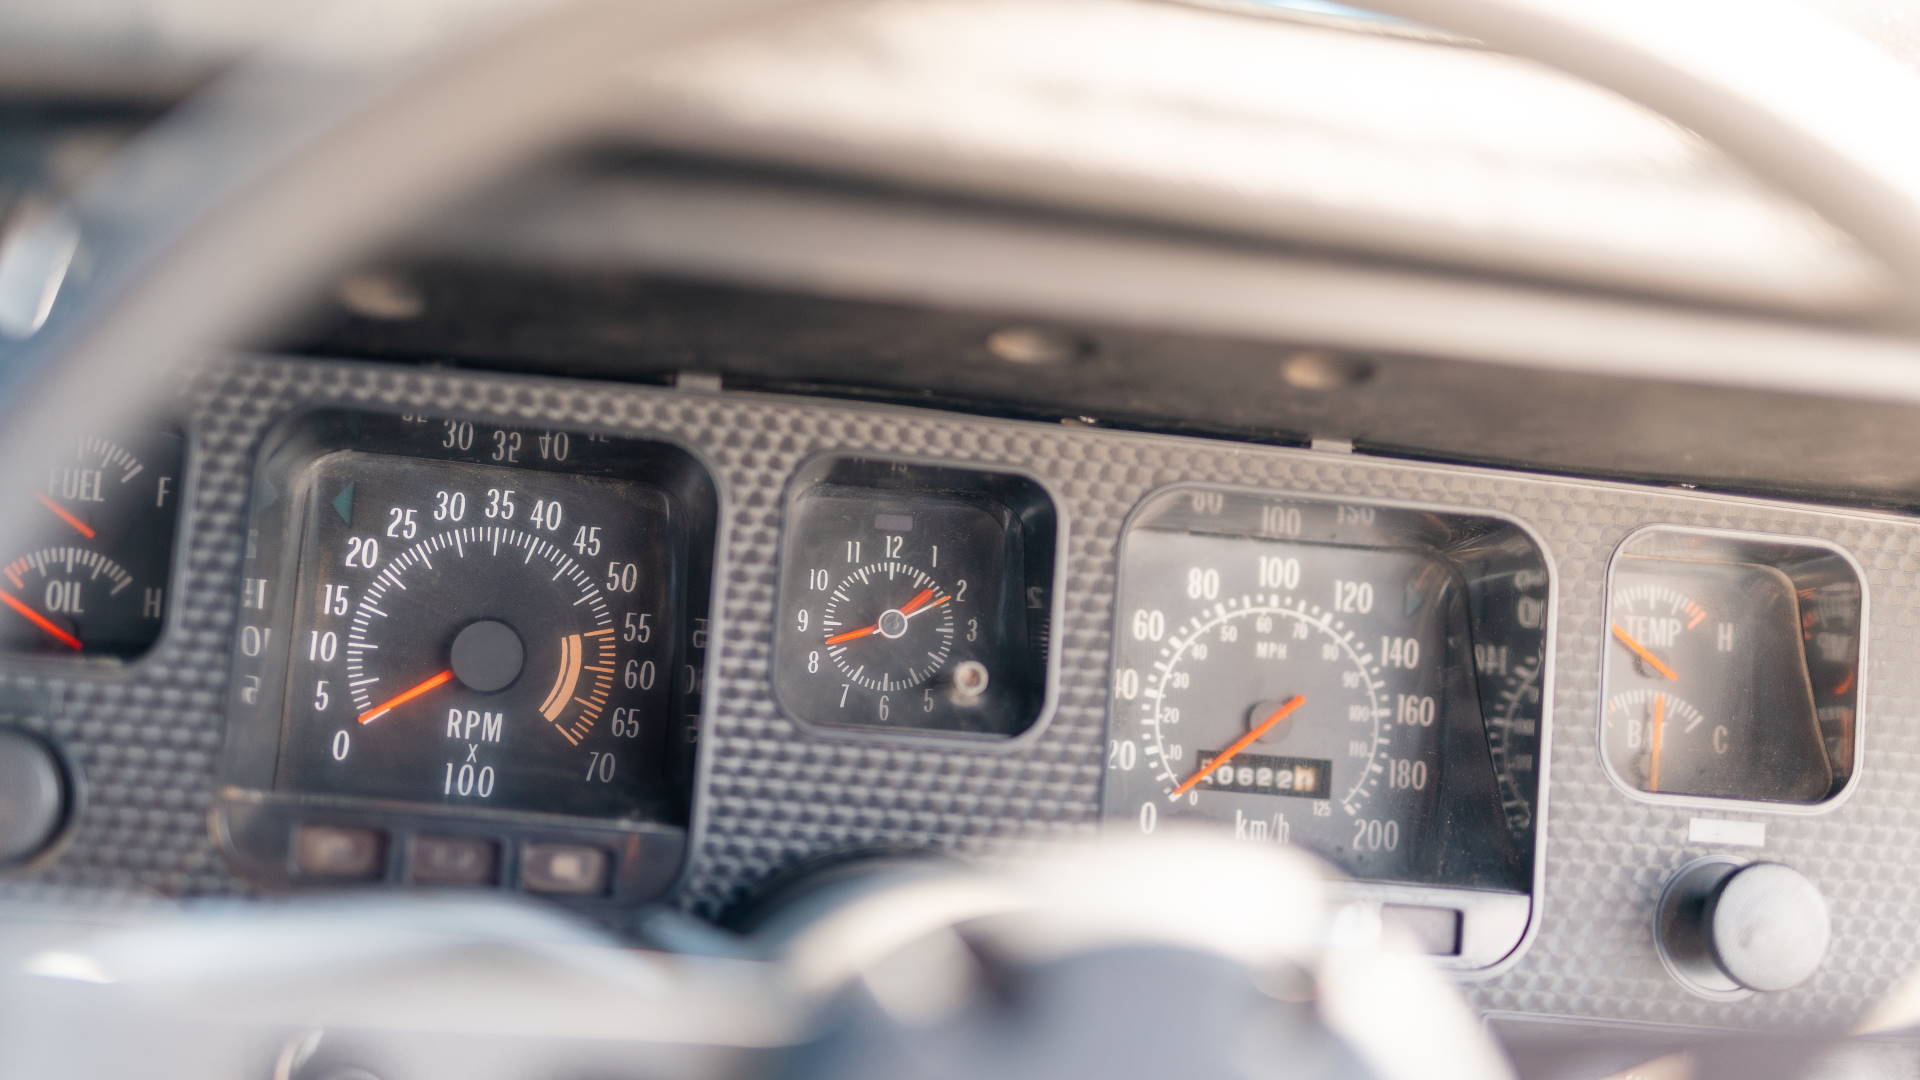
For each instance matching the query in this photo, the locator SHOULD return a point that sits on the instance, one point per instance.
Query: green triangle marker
(343, 503)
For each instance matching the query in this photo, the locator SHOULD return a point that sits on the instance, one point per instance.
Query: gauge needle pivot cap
(1644, 653)
(1242, 743)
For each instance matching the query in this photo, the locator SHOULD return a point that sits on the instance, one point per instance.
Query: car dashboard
(844, 516)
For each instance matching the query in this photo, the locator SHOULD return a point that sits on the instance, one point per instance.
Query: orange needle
(405, 696)
(1659, 730)
(65, 515)
(854, 634)
(907, 609)
(42, 622)
(1241, 743)
(1642, 652)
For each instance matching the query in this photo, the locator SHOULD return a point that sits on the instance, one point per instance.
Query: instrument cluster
(481, 653)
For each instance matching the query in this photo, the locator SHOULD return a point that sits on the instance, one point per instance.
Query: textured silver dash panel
(146, 738)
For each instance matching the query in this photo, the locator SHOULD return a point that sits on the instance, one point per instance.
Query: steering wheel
(218, 219)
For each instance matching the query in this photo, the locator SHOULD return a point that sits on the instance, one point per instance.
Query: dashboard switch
(331, 851)
(1725, 929)
(569, 869)
(33, 797)
(454, 860)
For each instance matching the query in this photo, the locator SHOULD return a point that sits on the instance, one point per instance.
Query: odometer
(481, 637)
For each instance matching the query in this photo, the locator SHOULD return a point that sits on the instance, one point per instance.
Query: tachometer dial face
(480, 636)
(908, 610)
(97, 583)
(1707, 683)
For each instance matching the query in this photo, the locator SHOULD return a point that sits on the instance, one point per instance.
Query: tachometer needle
(405, 696)
(1643, 653)
(1659, 732)
(65, 515)
(42, 622)
(1242, 743)
(922, 602)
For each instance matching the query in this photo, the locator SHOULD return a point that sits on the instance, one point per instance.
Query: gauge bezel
(1742, 542)
(252, 818)
(827, 468)
(1483, 913)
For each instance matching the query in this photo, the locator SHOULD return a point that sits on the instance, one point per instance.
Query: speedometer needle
(405, 696)
(1241, 743)
(1643, 653)
(41, 621)
(922, 602)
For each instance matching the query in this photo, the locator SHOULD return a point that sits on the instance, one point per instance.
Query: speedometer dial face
(482, 637)
(1290, 692)
(1367, 682)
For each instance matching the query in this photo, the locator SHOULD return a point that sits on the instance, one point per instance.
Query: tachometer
(468, 654)
(479, 636)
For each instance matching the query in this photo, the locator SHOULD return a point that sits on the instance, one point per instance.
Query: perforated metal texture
(146, 738)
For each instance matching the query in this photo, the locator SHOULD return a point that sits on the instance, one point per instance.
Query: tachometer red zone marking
(595, 701)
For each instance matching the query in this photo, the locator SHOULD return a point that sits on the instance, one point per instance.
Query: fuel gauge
(1715, 686)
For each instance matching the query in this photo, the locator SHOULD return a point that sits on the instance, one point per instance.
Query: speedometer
(1287, 719)
(1329, 674)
